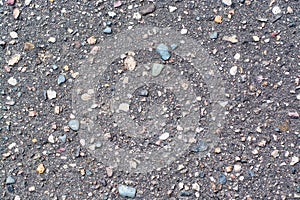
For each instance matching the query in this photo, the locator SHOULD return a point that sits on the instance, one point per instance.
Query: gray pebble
(144, 93)
(213, 35)
(126, 191)
(63, 138)
(10, 180)
(61, 79)
(163, 51)
(74, 124)
(54, 67)
(107, 30)
(150, 8)
(156, 69)
(222, 179)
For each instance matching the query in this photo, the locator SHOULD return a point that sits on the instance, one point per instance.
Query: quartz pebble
(12, 81)
(126, 191)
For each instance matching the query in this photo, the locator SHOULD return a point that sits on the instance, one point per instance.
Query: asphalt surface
(219, 119)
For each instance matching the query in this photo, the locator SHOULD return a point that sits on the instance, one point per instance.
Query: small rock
(213, 35)
(16, 13)
(117, 4)
(237, 168)
(27, 2)
(144, 93)
(294, 161)
(92, 40)
(228, 169)
(54, 67)
(172, 9)
(137, 16)
(237, 56)
(183, 31)
(145, 10)
(51, 139)
(74, 124)
(130, 63)
(31, 189)
(52, 40)
(293, 114)
(109, 171)
(233, 70)
(222, 179)
(10, 2)
(196, 186)
(41, 169)
(227, 2)
(126, 191)
(12, 81)
(275, 153)
(164, 136)
(10, 180)
(124, 107)
(255, 38)
(218, 19)
(14, 59)
(61, 79)
(111, 14)
(28, 46)
(157, 69)
(51, 94)
(217, 150)
(107, 30)
(233, 39)
(163, 51)
(276, 10)
(289, 10)
(63, 138)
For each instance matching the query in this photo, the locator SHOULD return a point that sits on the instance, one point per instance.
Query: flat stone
(213, 35)
(233, 39)
(157, 69)
(164, 136)
(163, 51)
(107, 30)
(145, 10)
(74, 124)
(14, 59)
(63, 138)
(10, 180)
(126, 191)
(130, 63)
(124, 107)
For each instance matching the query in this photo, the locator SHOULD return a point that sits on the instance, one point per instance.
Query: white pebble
(276, 10)
(13, 35)
(183, 31)
(164, 136)
(51, 94)
(12, 81)
(172, 8)
(52, 40)
(233, 70)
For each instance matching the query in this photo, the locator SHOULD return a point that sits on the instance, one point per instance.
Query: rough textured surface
(254, 47)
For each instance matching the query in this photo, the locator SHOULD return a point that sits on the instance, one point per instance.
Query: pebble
(222, 179)
(14, 59)
(217, 150)
(51, 139)
(41, 169)
(172, 9)
(137, 16)
(12, 81)
(130, 63)
(218, 19)
(61, 79)
(117, 4)
(237, 56)
(74, 124)
(54, 67)
(16, 13)
(173, 46)
(227, 2)
(298, 96)
(294, 160)
(28, 46)
(255, 38)
(10, 180)
(276, 10)
(27, 2)
(233, 39)
(163, 51)
(13, 35)
(52, 40)
(275, 153)
(289, 10)
(233, 70)
(10, 189)
(111, 14)
(183, 31)
(107, 30)
(63, 138)
(293, 114)
(92, 40)
(156, 69)
(10, 2)
(237, 168)
(213, 35)
(196, 186)
(126, 191)
(200, 147)
(164, 136)
(31, 189)
(51, 94)
(144, 93)
(150, 8)
(124, 107)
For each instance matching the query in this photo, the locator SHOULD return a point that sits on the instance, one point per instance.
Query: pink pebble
(117, 4)
(10, 2)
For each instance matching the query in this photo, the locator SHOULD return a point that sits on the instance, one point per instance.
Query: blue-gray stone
(54, 67)
(173, 46)
(144, 93)
(163, 51)
(63, 138)
(251, 173)
(202, 174)
(61, 79)
(74, 124)
(126, 191)
(213, 35)
(10, 180)
(200, 147)
(107, 30)
(156, 69)
(222, 179)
